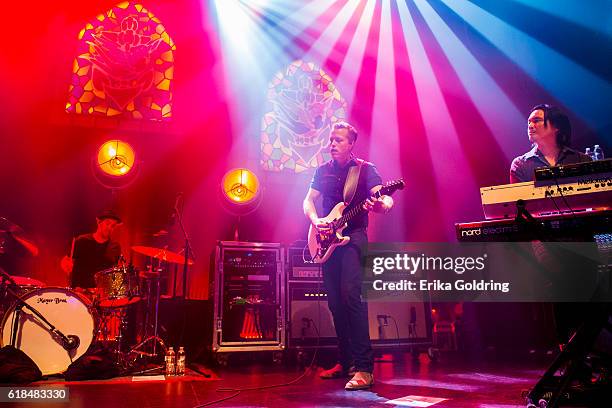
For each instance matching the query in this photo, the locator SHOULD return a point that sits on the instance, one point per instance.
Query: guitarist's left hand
(381, 205)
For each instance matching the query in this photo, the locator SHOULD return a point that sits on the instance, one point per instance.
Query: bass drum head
(68, 311)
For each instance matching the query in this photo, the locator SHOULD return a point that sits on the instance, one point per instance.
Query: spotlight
(116, 158)
(240, 187)
(241, 193)
(115, 164)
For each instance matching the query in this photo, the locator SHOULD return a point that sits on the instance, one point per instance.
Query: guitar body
(321, 246)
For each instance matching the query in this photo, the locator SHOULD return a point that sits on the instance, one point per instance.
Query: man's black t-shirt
(329, 179)
(91, 257)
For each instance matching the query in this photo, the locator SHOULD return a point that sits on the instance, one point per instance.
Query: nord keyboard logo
(472, 232)
(501, 230)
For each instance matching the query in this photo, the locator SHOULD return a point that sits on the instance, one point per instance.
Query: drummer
(93, 252)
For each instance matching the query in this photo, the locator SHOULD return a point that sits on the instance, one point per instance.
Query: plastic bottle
(170, 365)
(180, 361)
(588, 152)
(597, 153)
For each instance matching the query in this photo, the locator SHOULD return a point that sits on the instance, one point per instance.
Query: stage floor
(457, 383)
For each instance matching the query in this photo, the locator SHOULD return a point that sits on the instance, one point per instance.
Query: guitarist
(342, 272)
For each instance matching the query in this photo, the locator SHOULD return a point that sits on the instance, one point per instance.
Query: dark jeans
(342, 276)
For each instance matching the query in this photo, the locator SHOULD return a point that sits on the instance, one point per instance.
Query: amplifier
(392, 322)
(310, 322)
(396, 322)
(300, 270)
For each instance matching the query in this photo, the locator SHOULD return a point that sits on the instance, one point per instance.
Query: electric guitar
(322, 244)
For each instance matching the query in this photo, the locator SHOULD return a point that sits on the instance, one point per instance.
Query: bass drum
(68, 311)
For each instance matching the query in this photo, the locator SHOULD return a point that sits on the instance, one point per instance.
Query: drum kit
(55, 326)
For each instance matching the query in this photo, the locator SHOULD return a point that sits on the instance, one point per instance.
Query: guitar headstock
(392, 186)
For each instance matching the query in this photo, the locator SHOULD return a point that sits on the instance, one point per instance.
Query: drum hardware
(116, 289)
(161, 255)
(153, 277)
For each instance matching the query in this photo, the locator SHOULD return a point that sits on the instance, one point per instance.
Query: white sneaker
(360, 381)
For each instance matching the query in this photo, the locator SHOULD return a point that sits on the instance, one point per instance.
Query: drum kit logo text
(51, 300)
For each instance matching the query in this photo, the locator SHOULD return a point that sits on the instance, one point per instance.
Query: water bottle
(180, 361)
(588, 152)
(597, 153)
(170, 367)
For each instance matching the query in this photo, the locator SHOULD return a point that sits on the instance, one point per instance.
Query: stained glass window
(124, 67)
(302, 105)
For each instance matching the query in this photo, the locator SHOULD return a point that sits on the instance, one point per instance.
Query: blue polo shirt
(329, 179)
(523, 167)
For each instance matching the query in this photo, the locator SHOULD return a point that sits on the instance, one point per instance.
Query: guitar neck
(358, 209)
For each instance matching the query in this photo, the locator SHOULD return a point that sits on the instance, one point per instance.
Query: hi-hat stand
(153, 339)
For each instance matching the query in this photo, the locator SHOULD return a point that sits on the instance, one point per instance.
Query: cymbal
(7, 225)
(161, 254)
(17, 232)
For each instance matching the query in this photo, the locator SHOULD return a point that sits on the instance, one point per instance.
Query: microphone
(72, 342)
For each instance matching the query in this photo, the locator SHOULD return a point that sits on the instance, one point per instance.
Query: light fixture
(241, 194)
(240, 187)
(116, 158)
(115, 165)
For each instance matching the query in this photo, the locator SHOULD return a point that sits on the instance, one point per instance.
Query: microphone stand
(68, 342)
(188, 250)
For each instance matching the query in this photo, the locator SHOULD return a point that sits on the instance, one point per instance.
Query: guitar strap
(352, 179)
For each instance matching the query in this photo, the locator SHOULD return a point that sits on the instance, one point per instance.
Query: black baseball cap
(108, 213)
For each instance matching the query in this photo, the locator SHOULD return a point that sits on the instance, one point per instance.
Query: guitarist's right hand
(321, 225)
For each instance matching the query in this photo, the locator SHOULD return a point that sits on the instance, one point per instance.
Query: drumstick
(72, 249)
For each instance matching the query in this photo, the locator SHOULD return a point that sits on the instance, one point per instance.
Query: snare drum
(68, 311)
(117, 287)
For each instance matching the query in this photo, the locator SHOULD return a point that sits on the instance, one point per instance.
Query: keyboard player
(549, 131)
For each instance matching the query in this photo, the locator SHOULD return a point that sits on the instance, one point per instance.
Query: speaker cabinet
(392, 321)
